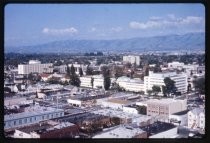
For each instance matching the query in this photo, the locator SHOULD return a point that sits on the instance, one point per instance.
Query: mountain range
(189, 41)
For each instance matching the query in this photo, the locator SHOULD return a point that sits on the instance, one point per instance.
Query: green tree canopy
(106, 74)
(200, 85)
(80, 72)
(156, 89)
(89, 70)
(169, 86)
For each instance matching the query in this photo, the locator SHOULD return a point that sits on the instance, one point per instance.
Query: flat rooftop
(122, 131)
(163, 101)
(32, 111)
(121, 114)
(119, 101)
(45, 127)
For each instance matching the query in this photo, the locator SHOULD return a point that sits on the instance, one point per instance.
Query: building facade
(165, 107)
(196, 118)
(128, 84)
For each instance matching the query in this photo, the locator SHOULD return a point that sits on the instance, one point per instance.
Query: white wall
(130, 110)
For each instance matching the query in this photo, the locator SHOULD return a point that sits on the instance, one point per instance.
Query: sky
(31, 24)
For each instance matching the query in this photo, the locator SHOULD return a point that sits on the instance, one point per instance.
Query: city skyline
(29, 24)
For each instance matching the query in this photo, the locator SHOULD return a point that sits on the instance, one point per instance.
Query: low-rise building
(116, 103)
(165, 107)
(138, 119)
(31, 115)
(49, 129)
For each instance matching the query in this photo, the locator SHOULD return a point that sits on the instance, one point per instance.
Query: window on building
(60, 114)
(42, 117)
(25, 120)
(35, 118)
(14, 122)
(20, 121)
(30, 119)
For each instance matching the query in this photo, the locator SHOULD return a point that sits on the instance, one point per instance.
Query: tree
(199, 84)
(157, 68)
(72, 70)
(106, 74)
(156, 89)
(80, 72)
(128, 65)
(68, 71)
(149, 92)
(169, 86)
(92, 81)
(142, 109)
(89, 70)
(164, 91)
(74, 80)
(118, 72)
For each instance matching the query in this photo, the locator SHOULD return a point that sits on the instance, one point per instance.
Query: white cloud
(65, 31)
(171, 16)
(192, 19)
(171, 20)
(116, 29)
(155, 18)
(93, 29)
(140, 25)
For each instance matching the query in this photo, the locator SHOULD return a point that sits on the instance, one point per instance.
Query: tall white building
(158, 80)
(35, 66)
(132, 59)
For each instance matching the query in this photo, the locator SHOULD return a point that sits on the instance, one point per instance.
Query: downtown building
(157, 79)
(35, 66)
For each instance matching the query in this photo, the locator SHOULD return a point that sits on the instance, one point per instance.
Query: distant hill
(190, 41)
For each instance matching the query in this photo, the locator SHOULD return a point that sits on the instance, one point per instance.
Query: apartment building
(35, 66)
